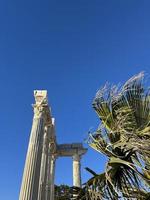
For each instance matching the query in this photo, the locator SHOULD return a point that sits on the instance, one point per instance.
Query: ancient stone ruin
(43, 150)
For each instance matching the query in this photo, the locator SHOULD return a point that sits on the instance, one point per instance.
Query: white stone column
(76, 171)
(30, 181)
(52, 174)
(48, 179)
(51, 162)
(44, 165)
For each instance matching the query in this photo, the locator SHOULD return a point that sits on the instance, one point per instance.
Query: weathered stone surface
(70, 149)
(76, 170)
(39, 172)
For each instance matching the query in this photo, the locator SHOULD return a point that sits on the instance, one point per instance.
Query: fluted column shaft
(44, 165)
(76, 171)
(30, 181)
(48, 179)
(49, 176)
(52, 174)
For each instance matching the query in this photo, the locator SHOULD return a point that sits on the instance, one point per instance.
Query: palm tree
(124, 138)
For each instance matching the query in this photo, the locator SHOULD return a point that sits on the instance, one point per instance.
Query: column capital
(76, 157)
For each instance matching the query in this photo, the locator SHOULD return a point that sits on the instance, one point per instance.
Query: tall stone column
(51, 163)
(44, 165)
(48, 178)
(30, 181)
(76, 171)
(52, 173)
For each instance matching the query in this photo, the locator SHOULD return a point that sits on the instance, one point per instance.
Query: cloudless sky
(70, 48)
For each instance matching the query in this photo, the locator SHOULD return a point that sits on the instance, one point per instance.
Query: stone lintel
(71, 149)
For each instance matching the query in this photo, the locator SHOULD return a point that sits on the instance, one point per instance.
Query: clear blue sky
(70, 48)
